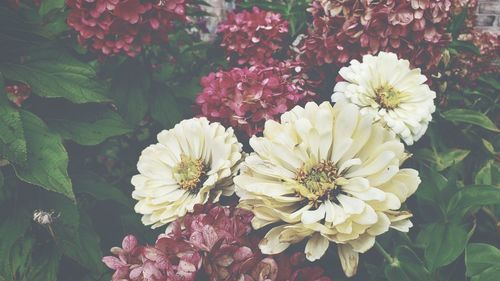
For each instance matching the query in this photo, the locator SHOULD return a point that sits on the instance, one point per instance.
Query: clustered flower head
(168, 259)
(245, 98)
(387, 89)
(252, 37)
(347, 29)
(18, 93)
(192, 163)
(326, 175)
(213, 241)
(113, 27)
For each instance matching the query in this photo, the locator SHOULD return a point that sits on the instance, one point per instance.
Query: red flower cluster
(168, 259)
(18, 93)
(245, 98)
(348, 29)
(213, 242)
(123, 26)
(252, 37)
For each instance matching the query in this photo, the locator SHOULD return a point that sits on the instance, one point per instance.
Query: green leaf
(482, 260)
(484, 175)
(470, 117)
(44, 264)
(11, 229)
(489, 147)
(89, 127)
(165, 110)
(408, 266)
(48, 5)
(490, 274)
(57, 75)
(12, 142)
(92, 184)
(47, 158)
(83, 245)
(130, 88)
(472, 197)
(492, 80)
(20, 255)
(451, 157)
(443, 243)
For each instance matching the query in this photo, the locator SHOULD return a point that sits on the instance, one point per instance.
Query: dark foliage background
(73, 145)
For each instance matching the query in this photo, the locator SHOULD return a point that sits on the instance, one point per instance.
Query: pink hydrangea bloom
(113, 27)
(168, 259)
(253, 36)
(215, 243)
(347, 29)
(245, 98)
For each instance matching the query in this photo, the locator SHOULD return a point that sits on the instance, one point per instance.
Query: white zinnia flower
(191, 164)
(326, 174)
(387, 89)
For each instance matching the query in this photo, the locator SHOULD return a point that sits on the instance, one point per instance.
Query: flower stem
(384, 253)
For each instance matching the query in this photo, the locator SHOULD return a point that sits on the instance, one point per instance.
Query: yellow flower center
(190, 173)
(318, 181)
(388, 97)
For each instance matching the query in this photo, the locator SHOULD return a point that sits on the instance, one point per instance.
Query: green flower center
(388, 97)
(318, 181)
(190, 173)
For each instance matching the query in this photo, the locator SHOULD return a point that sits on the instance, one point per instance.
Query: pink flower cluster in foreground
(347, 29)
(123, 26)
(253, 36)
(245, 98)
(213, 243)
(18, 93)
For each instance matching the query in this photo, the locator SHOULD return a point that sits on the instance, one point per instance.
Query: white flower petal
(316, 247)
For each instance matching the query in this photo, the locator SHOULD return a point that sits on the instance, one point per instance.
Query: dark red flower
(348, 29)
(245, 98)
(253, 36)
(113, 27)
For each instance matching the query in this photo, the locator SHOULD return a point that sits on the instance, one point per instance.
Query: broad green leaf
(443, 243)
(483, 175)
(44, 264)
(470, 117)
(395, 273)
(48, 5)
(491, 80)
(92, 184)
(165, 110)
(20, 255)
(12, 142)
(480, 258)
(412, 265)
(56, 75)
(450, 158)
(89, 127)
(11, 229)
(130, 89)
(83, 245)
(490, 274)
(407, 266)
(471, 197)
(47, 158)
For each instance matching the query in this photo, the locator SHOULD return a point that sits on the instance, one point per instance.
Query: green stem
(384, 253)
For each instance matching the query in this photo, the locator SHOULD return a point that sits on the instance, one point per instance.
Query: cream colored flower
(387, 89)
(326, 174)
(193, 163)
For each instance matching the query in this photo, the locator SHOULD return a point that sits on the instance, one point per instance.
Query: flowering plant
(249, 140)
